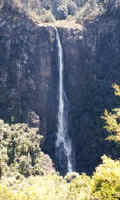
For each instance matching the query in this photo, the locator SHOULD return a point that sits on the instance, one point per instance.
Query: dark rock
(29, 80)
(33, 119)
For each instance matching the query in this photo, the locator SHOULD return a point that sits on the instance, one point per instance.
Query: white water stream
(63, 140)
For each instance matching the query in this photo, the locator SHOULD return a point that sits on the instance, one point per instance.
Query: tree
(112, 119)
(20, 151)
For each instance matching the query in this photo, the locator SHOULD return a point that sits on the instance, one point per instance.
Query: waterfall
(63, 142)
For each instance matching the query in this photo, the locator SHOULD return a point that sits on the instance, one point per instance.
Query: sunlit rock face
(29, 79)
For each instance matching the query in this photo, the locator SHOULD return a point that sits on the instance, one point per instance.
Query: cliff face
(29, 79)
(91, 59)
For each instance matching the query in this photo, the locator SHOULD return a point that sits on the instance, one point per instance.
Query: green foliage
(106, 180)
(22, 163)
(103, 185)
(117, 89)
(50, 187)
(20, 151)
(80, 188)
(112, 124)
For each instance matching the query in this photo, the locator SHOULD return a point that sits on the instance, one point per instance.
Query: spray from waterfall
(63, 142)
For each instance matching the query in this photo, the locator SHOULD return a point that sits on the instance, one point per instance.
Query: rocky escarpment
(29, 79)
(91, 59)
(27, 67)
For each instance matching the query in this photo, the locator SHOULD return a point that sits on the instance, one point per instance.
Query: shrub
(80, 188)
(50, 187)
(103, 185)
(20, 151)
(112, 124)
(106, 180)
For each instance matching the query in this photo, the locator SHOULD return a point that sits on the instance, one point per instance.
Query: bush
(103, 185)
(112, 122)
(20, 151)
(50, 187)
(106, 180)
(80, 188)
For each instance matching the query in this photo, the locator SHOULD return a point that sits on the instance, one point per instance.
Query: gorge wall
(29, 80)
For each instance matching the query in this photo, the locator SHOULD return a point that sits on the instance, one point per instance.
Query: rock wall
(91, 59)
(29, 79)
(28, 72)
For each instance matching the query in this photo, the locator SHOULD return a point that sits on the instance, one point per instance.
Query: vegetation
(106, 180)
(44, 17)
(103, 185)
(54, 9)
(112, 123)
(46, 11)
(27, 174)
(20, 151)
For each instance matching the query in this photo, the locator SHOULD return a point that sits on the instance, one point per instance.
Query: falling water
(63, 142)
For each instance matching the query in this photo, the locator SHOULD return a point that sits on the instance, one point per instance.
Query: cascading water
(63, 142)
